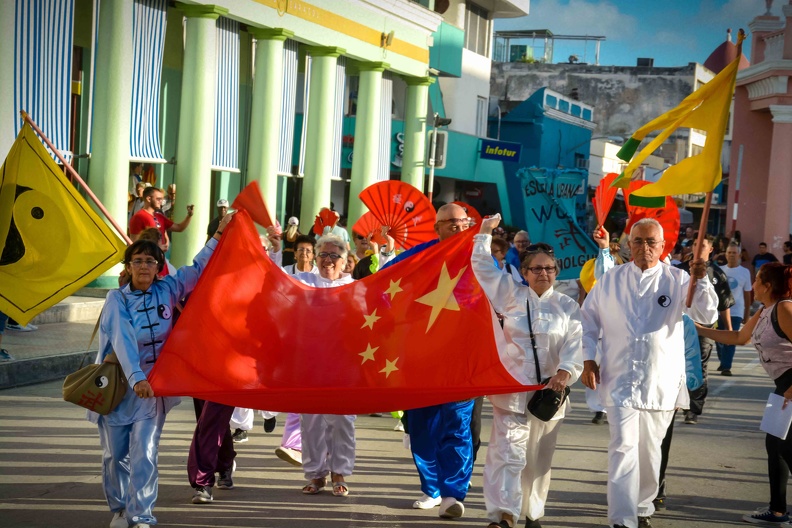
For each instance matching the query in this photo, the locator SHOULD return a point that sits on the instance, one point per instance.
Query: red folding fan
(604, 196)
(404, 209)
(368, 225)
(668, 216)
(471, 212)
(251, 200)
(325, 218)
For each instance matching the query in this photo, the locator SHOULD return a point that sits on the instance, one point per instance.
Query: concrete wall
(460, 96)
(752, 130)
(624, 98)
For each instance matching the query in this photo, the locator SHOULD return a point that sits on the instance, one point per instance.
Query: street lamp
(437, 122)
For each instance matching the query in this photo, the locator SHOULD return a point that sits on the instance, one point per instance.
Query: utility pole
(436, 123)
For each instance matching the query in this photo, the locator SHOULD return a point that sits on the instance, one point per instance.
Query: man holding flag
(637, 308)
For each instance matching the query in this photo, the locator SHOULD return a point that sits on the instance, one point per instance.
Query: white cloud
(575, 17)
(673, 38)
(739, 11)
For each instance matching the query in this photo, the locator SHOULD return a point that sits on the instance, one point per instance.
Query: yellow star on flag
(368, 354)
(370, 320)
(390, 366)
(394, 288)
(442, 296)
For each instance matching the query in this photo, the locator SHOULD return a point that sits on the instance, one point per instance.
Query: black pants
(779, 456)
(475, 425)
(698, 396)
(198, 405)
(665, 450)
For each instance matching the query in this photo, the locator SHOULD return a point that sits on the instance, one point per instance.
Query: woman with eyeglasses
(369, 257)
(135, 323)
(328, 440)
(537, 320)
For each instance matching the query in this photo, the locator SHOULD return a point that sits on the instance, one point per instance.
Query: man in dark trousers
(720, 282)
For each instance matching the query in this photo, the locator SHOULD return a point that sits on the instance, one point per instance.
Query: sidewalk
(58, 346)
(51, 464)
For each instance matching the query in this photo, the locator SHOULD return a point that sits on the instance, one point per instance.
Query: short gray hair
(647, 222)
(335, 240)
(523, 232)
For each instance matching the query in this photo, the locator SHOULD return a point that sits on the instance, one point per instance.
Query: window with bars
(476, 29)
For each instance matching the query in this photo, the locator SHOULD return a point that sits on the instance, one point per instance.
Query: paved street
(50, 461)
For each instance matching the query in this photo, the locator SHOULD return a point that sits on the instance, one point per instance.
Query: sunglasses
(540, 248)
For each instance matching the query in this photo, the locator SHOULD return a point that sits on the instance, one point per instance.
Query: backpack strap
(776, 325)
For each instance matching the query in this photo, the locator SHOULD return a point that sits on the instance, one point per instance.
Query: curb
(41, 369)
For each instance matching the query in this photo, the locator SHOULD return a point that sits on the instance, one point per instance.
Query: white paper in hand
(776, 421)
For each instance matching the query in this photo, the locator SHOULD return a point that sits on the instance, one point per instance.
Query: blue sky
(673, 32)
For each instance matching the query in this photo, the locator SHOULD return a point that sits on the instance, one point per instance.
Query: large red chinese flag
(418, 333)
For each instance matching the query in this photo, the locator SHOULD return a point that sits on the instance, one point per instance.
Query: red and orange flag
(416, 334)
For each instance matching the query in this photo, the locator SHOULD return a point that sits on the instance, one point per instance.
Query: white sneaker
(19, 328)
(292, 456)
(450, 508)
(426, 502)
(119, 520)
(399, 426)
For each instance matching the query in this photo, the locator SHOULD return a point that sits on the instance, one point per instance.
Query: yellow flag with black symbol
(51, 241)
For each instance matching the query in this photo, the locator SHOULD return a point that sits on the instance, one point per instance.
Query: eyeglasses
(149, 263)
(651, 242)
(521, 242)
(537, 270)
(331, 256)
(304, 250)
(458, 221)
(360, 237)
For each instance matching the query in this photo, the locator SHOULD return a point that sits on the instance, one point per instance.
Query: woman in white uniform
(328, 440)
(521, 447)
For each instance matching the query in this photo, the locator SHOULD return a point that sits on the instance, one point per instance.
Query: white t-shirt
(739, 282)
(337, 231)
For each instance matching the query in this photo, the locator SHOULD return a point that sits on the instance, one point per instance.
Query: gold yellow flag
(51, 242)
(706, 109)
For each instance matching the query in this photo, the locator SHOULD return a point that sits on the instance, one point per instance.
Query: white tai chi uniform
(521, 447)
(642, 370)
(328, 440)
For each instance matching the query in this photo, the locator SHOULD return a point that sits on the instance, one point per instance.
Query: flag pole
(75, 176)
(700, 244)
(707, 203)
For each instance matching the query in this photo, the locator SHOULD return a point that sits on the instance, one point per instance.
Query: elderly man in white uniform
(638, 307)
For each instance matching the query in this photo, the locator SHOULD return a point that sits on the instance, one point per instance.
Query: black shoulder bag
(545, 403)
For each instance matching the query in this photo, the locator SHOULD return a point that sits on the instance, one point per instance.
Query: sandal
(502, 524)
(340, 489)
(314, 486)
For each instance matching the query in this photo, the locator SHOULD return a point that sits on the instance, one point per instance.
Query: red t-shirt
(143, 219)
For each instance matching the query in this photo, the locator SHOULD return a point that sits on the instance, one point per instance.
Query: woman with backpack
(770, 330)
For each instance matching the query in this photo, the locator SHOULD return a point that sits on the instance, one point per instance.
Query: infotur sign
(500, 150)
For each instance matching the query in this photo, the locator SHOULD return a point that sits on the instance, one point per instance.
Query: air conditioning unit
(582, 163)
